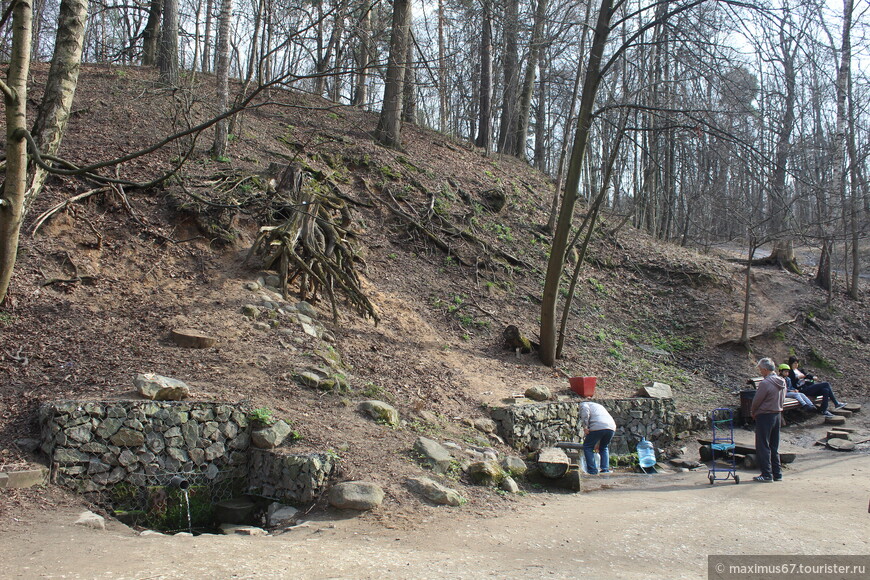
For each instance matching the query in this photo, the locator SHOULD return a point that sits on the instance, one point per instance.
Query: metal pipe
(179, 482)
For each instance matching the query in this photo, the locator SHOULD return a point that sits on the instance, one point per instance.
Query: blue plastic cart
(722, 445)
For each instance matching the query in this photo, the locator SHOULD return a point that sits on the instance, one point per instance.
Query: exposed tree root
(311, 246)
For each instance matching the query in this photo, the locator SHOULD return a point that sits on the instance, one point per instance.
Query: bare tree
(389, 130)
(15, 98)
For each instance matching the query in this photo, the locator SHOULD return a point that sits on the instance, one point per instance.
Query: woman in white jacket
(598, 429)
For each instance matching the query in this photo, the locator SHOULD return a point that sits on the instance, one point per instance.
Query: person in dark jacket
(805, 383)
(767, 411)
(791, 392)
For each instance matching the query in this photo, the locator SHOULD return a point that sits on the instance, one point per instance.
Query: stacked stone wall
(532, 427)
(292, 479)
(95, 445)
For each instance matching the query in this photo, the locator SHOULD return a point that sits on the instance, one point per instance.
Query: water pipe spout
(179, 482)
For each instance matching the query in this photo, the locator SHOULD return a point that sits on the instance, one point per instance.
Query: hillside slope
(100, 285)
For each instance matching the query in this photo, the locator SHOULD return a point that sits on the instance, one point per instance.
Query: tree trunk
(823, 274)
(442, 71)
(409, 87)
(206, 42)
(222, 79)
(506, 132)
(167, 57)
(744, 328)
(363, 57)
(389, 130)
(15, 184)
(151, 35)
(556, 261)
(60, 88)
(522, 121)
(484, 128)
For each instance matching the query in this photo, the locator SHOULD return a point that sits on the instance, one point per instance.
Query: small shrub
(261, 417)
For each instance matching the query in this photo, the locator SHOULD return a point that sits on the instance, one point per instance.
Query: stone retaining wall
(292, 479)
(95, 445)
(532, 427)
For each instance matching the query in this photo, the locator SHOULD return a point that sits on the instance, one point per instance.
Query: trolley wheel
(712, 479)
(736, 479)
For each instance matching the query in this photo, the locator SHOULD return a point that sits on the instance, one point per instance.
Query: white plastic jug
(646, 454)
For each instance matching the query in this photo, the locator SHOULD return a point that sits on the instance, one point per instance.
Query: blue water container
(646, 454)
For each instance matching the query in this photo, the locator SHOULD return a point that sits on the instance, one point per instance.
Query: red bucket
(583, 386)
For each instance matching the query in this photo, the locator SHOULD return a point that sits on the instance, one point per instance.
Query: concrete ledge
(24, 478)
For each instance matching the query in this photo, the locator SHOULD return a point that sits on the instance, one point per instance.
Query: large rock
(158, 388)
(233, 529)
(538, 393)
(271, 436)
(380, 412)
(190, 338)
(434, 491)
(486, 473)
(279, 515)
(433, 454)
(484, 425)
(356, 495)
(657, 391)
(514, 465)
(91, 520)
(509, 485)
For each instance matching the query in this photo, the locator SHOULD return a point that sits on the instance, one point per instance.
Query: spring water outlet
(179, 482)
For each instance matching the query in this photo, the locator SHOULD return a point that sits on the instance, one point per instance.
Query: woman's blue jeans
(601, 438)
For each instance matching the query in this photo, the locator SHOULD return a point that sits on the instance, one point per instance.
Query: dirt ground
(623, 526)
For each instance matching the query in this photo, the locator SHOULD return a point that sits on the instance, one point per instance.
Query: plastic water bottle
(596, 461)
(646, 454)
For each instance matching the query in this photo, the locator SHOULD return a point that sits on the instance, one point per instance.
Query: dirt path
(628, 526)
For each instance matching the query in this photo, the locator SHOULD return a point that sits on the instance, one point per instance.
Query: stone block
(24, 478)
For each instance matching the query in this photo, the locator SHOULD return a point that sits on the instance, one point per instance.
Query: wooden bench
(746, 402)
(790, 403)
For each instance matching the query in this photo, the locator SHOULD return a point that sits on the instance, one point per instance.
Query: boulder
(158, 388)
(538, 393)
(190, 338)
(509, 485)
(231, 529)
(380, 412)
(656, 390)
(271, 436)
(279, 515)
(91, 520)
(433, 454)
(356, 495)
(514, 465)
(434, 491)
(484, 425)
(306, 309)
(486, 473)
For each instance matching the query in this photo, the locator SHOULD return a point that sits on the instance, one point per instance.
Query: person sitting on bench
(792, 392)
(806, 384)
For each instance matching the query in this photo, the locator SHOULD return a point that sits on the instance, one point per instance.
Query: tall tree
(510, 70)
(151, 34)
(484, 125)
(167, 54)
(15, 98)
(389, 130)
(222, 78)
(60, 88)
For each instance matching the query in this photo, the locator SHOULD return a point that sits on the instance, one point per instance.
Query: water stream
(187, 507)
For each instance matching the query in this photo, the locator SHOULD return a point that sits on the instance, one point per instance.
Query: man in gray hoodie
(767, 411)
